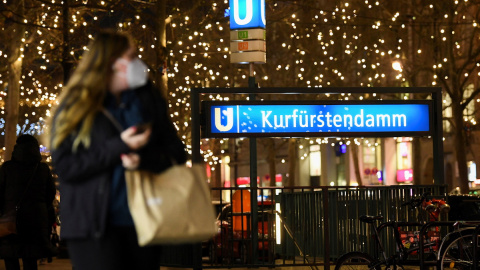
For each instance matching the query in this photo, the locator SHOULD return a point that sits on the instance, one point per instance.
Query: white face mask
(137, 73)
(129, 74)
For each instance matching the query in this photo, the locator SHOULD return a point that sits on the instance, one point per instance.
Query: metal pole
(326, 228)
(253, 177)
(196, 158)
(438, 160)
(194, 96)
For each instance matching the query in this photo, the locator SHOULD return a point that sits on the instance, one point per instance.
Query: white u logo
(248, 12)
(262, 11)
(218, 117)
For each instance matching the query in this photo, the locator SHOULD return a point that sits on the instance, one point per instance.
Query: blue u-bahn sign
(318, 119)
(247, 14)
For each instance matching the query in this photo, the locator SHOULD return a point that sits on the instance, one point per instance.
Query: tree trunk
(11, 106)
(217, 176)
(292, 161)
(270, 145)
(66, 63)
(356, 161)
(417, 162)
(233, 161)
(459, 146)
(161, 78)
(15, 61)
(216, 173)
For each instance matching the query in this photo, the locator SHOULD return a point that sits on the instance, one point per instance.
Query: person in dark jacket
(110, 118)
(25, 178)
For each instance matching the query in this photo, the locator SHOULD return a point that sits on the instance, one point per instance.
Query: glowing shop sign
(248, 120)
(247, 14)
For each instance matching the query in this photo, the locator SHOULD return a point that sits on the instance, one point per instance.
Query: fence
(299, 226)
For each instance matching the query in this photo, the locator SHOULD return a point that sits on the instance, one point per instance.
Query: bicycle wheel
(458, 254)
(355, 261)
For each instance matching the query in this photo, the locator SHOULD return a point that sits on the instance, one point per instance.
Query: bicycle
(455, 251)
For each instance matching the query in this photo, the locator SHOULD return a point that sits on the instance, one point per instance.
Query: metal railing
(298, 226)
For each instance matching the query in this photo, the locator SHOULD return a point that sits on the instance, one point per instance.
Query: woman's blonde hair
(82, 98)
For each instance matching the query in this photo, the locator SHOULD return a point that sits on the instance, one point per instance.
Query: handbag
(8, 221)
(172, 207)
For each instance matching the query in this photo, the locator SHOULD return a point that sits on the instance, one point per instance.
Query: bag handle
(28, 185)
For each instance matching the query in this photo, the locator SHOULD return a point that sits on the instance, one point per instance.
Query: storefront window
(315, 161)
(372, 162)
(315, 165)
(404, 160)
(472, 171)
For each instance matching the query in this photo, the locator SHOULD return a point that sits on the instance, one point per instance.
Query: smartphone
(142, 127)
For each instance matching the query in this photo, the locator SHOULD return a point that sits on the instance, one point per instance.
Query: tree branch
(28, 24)
(90, 6)
(470, 98)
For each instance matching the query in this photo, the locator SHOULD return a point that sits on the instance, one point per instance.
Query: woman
(96, 135)
(28, 183)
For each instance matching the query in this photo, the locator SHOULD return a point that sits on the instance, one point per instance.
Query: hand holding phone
(142, 127)
(135, 137)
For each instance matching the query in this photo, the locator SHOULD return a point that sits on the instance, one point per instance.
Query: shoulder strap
(28, 185)
(112, 119)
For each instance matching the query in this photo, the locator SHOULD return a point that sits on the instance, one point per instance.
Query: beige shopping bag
(171, 207)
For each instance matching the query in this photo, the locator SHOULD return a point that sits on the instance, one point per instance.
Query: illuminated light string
(37, 128)
(189, 80)
(199, 55)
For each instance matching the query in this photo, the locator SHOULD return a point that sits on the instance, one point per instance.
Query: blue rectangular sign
(247, 14)
(322, 120)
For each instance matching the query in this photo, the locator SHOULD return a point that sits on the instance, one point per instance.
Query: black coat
(85, 175)
(35, 225)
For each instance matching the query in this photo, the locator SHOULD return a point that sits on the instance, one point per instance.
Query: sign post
(247, 46)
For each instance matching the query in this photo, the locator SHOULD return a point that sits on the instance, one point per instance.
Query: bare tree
(16, 39)
(310, 44)
(444, 50)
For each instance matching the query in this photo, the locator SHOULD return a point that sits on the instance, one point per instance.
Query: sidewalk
(56, 264)
(64, 264)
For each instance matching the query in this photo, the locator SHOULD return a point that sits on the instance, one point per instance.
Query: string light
(344, 45)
